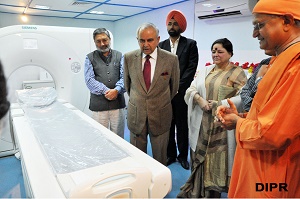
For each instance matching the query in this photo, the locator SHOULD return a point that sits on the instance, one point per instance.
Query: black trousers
(179, 122)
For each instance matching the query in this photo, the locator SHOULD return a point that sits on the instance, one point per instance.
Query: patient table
(66, 154)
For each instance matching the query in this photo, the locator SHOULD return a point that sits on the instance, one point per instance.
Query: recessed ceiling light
(24, 18)
(208, 4)
(97, 12)
(42, 7)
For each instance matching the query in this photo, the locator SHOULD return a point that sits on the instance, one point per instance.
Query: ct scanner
(59, 50)
(120, 169)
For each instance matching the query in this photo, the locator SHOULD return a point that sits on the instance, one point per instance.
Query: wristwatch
(258, 79)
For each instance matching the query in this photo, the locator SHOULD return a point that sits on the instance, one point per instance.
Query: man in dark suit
(150, 92)
(187, 52)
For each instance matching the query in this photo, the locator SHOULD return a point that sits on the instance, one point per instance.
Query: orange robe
(268, 139)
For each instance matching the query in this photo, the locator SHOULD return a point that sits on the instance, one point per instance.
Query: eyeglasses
(260, 25)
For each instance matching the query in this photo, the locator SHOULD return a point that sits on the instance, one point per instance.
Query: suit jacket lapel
(139, 70)
(181, 46)
(166, 45)
(158, 68)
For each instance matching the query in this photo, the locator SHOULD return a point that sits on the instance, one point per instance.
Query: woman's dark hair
(4, 104)
(225, 43)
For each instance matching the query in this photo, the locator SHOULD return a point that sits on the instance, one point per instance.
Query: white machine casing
(136, 176)
(220, 9)
(58, 50)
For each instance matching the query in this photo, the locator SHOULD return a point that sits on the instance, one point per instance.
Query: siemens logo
(29, 27)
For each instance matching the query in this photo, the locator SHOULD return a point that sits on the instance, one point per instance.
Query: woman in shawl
(208, 141)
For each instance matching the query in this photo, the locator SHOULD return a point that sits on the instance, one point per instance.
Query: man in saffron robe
(267, 158)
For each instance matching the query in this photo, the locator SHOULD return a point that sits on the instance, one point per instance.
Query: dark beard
(174, 33)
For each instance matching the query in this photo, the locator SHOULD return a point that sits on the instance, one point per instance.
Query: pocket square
(164, 74)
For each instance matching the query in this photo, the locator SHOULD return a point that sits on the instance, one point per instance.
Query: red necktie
(147, 72)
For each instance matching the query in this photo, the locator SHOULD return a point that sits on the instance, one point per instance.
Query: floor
(11, 178)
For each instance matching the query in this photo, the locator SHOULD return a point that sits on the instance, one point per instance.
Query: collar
(176, 41)
(153, 54)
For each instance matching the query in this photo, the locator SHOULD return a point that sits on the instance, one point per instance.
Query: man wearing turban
(267, 157)
(187, 53)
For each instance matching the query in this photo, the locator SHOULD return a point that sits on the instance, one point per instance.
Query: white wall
(13, 19)
(237, 30)
(125, 30)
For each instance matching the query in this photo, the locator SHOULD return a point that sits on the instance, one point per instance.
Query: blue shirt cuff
(118, 88)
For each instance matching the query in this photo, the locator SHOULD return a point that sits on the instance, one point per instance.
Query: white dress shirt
(174, 45)
(152, 60)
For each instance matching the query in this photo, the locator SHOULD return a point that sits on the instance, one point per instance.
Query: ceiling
(114, 10)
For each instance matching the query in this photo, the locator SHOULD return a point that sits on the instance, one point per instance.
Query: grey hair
(297, 21)
(145, 26)
(100, 31)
